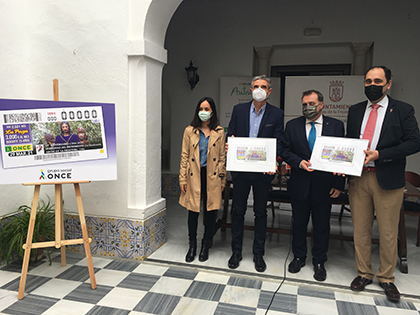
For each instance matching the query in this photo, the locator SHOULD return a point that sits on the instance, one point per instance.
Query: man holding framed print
(393, 134)
(310, 191)
(253, 119)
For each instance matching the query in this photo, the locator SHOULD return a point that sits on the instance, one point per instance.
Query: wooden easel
(59, 242)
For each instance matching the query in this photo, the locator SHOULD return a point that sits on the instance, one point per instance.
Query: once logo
(16, 148)
(59, 176)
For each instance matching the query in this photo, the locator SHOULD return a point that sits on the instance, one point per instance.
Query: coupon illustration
(52, 135)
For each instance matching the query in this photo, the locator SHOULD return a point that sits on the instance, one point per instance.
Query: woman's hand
(183, 188)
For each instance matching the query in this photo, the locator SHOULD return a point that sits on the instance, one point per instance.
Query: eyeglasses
(310, 104)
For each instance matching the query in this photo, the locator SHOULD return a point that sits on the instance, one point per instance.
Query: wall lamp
(312, 31)
(192, 75)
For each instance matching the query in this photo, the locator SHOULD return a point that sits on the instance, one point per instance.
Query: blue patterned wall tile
(119, 237)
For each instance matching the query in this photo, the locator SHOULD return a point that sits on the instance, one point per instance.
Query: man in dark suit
(254, 119)
(310, 191)
(393, 134)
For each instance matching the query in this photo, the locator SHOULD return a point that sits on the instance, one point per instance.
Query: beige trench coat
(189, 172)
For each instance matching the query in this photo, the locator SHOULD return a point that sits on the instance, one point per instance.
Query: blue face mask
(204, 116)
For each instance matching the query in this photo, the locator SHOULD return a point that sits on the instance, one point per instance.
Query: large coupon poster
(340, 92)
(45, 141)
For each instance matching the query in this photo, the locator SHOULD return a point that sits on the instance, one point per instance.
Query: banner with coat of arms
(340, 92)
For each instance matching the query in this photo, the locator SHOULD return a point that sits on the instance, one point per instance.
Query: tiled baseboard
(120, 238)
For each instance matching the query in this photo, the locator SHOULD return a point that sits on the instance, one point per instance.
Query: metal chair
(413, 207)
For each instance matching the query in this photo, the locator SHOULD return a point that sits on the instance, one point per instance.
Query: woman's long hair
(214, 121)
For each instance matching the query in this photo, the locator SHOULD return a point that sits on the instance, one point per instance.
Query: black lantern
(192, 75)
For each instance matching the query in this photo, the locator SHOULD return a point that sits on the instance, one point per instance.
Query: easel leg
(27, 254)
(60, 221)
(85, 236)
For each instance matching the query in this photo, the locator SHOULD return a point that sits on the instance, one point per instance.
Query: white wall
(82, 44)
(100, 51)
(219, 37)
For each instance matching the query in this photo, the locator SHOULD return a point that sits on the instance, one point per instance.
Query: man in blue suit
(310, 191)
(254, 119)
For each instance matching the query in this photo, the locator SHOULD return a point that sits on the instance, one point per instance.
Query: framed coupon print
(251, 154)
(340, 155)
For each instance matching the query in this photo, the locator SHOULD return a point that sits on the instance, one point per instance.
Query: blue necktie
(312, 136)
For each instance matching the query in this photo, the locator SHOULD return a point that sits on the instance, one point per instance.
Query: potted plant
(14, 233)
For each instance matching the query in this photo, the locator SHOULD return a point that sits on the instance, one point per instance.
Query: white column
(147, 24)
(360, 50)
(263, 57)
(145, 63)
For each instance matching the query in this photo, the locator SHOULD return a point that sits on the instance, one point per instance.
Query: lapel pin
(391, 110)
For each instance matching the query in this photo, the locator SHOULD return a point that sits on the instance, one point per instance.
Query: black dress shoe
(260, 265)
(391, 291)
(320, 274)
(359, 283)
(296, 264)
(234, 260)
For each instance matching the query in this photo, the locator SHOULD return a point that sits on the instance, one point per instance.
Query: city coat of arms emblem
(336, 90)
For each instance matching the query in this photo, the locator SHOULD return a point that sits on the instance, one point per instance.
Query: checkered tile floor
(148, 288)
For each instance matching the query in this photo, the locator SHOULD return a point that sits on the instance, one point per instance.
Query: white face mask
(259, 94)
(204, 116)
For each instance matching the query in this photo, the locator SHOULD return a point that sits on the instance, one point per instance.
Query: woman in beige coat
(202, 174)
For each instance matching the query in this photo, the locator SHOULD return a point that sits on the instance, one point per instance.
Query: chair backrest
(412, 178)
(284, 170)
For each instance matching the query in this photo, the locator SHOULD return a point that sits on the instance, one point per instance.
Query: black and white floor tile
(165, 284)
(150, 288)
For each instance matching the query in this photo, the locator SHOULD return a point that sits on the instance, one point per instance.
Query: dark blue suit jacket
(272, 123)
(399, 138)
(295, 148)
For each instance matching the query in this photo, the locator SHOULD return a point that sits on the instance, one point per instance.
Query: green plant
(14, 233)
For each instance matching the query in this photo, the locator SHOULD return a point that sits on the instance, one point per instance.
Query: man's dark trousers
(242, 182)
(321, 212)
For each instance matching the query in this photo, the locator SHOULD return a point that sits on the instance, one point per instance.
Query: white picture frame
(340, 155)
(251, 154)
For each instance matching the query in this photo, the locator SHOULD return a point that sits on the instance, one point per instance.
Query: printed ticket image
(52, 135)
(338, 154)
(251, 154)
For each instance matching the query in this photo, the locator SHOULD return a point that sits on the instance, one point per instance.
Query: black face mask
(374, 92)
